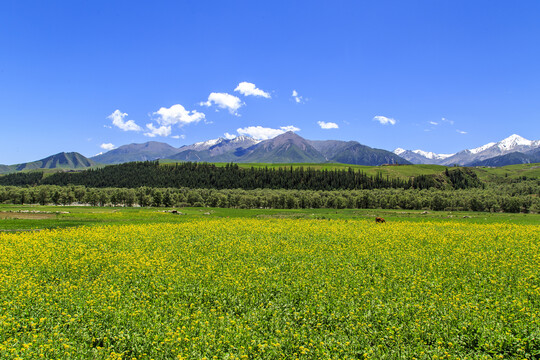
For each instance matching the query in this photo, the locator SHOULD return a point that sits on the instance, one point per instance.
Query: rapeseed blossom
(272, 289)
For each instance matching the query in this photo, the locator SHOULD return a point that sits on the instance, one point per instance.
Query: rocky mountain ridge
(511, 144)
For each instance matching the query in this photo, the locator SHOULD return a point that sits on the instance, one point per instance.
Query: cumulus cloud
(297, 98)
(451, 122)
(229, 136)
(224, 101)
(327, 125)
(262, 133)
(384, 120)
(461, 132)
(289, 128)
(178, 136)
(164, 130)
(177, 114)
(117, 118)
(249, 89)
(107, 146)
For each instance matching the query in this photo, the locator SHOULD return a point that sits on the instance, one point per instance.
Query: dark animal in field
(379, 220)
(174, 212)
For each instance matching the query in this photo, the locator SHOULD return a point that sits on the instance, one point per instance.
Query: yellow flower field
(272, 289)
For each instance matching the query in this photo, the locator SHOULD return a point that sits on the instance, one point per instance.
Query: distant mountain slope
(503, 160)
(217, 150)
(510, 159)
(70, 160)
(221, 145)
(329, 148)
(535, 153)
(352, 152)
(191, 155)
(285, 148)
(4, 169)
(511, 144)
(151, 150)
(358, 154)
(420, 156)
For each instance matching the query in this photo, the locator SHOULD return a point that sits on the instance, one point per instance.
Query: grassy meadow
(120, 283)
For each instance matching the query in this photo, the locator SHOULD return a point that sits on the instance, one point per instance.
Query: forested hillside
(231, 176)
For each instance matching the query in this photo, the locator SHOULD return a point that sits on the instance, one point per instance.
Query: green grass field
(19, 217)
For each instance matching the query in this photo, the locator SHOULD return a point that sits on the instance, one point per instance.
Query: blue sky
(449, 75)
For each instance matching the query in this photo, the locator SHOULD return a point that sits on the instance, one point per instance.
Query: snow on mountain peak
(513, 141)
(241, 138)
(482, 148)
(431, 155)
(508, 144)
(426, 154)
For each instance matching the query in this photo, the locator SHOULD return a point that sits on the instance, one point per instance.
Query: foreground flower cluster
(272, 289)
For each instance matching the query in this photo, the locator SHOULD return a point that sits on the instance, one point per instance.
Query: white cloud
(434, 123)
(384, 120)
(164, 130)
(461, 132)
(117, 118)
(299, 99)
(107, 146)
(179, 136)
(262, 133)
(249, 89)
(224, 101)
(289, 128)
(327, 125)
(451, 122)
(229, 136)
(177, 114)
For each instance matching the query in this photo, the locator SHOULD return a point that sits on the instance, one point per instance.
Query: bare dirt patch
(28, 215)
(283, 216)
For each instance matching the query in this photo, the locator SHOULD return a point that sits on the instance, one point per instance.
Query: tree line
(231, 176)
(501, 198)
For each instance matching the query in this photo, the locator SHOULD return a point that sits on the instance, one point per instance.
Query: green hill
(69, 161)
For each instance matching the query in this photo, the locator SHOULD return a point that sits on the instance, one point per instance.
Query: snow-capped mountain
(239, 141)
(513, 143)
(420, 156)
(481, 148)
(432, 155)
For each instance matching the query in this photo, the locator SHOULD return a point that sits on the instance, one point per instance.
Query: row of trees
(496, 199)
(231, 176)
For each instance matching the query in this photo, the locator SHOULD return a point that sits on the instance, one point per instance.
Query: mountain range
(292, 148)
(512, 150)
(285, 148)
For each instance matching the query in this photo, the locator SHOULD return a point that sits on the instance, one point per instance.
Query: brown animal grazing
(379, 220)
(174, 212)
